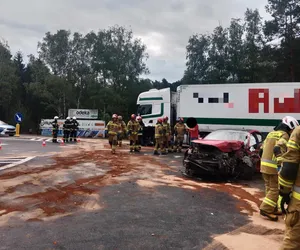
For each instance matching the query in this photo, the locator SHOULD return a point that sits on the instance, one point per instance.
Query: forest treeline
(102, 70)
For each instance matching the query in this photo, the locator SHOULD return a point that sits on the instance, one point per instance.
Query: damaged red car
(224, 153)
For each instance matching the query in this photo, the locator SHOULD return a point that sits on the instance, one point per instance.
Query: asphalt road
(131, 216)
(14, 146)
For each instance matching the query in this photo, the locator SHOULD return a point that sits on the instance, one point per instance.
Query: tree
(8, 84)
(253, 45)
(235, 50)
(218, 56)
(197, 59)
(285, 27)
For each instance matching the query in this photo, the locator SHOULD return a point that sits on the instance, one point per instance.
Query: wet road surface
(90, 199)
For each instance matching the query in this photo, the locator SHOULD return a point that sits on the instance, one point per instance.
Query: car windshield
(2, 123)
(227, 135)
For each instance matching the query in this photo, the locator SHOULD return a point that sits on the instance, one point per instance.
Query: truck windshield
(144, 109)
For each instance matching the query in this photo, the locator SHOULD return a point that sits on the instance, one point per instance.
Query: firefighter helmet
(159, 120)
(56, 117)
(139, 118)
(68, 118)
(290, 121)
(166, 118)
(133, 116)
(114, 116)
(120, 117)
(74, 117)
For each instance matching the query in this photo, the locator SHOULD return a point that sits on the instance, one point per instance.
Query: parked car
(224, 153)
(6, 129)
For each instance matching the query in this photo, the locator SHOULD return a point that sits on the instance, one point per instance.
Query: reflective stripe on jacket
(269, 161)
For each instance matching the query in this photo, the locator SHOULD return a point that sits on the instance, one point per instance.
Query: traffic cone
(44, 143)
(62, 143)
(0, 145)
(78, 139)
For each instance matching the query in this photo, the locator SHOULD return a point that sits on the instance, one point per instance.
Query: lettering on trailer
(225, 98)
(258, 96)
(82, 112)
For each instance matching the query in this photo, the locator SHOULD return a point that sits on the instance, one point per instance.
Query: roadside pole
(17, 130)
(18, 119)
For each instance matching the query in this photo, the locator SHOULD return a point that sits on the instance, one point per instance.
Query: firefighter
(112, 129)
(159, 136)
(140, 133)
(122, 131)
(289, 189)
(133, 128)
(167, 138)
(179, 130)
(55, 128)
(67, 128)
(273, 148)
(74, 129)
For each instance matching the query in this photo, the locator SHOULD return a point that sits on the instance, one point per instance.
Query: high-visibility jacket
(269, 161)
(289, 176)
(158, 130)
(167, 128)
(113, 128)
(122, 127)
(179, 129)
(133, 126)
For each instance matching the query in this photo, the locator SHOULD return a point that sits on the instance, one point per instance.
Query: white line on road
(17, 163)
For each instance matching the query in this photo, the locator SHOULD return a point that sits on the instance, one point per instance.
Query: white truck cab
(154, 104)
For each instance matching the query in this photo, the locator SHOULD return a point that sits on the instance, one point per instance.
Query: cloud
(164, 26)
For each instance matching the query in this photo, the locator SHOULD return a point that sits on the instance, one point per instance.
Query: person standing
(159, 135)
(167, 137)
(179, 130)
(112, 129)
(193, 133)
(74, 129)
(122, 132)
(67, 129)
(273, 148)
(140, 133)
(55, 128)
(133, 128)
(289, 189)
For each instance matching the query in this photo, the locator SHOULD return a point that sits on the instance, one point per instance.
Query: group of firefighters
(70, 128)
(280, 159)
(117, 130)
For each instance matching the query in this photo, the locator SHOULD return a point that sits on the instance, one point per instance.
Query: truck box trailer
(258, 106)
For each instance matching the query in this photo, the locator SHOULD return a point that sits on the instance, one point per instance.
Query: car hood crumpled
(224, 146)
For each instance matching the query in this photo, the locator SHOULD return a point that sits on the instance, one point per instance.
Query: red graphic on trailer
(261, 96)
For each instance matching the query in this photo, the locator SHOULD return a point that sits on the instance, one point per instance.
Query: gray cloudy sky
(163, 25)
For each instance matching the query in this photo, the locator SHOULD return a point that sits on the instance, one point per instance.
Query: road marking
(12, 162)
